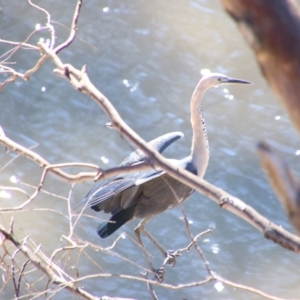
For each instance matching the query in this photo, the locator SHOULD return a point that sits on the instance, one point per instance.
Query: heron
(148, 193)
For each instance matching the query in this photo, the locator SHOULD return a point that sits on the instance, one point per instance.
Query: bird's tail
(115, 222)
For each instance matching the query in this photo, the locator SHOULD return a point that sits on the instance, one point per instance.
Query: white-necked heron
(148, 193)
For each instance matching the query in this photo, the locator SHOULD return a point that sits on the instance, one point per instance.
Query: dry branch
(283, 180)
(56, 168)
(47, 267)
(80, 81)
(272, 28)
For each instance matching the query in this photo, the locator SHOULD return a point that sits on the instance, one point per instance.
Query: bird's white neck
(200, 147)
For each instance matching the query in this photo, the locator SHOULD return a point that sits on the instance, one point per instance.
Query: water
(146, 57)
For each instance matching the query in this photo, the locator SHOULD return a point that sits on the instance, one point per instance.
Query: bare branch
(248, 288)
(9, 188)
(48, 24)
(194, 243)
(56, 168)
(283, 180)
(73, 29)
(81, 82)
(10, 53)
(28, 73)
(47, 268)
(22, 44)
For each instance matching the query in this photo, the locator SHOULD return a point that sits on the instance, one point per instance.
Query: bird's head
(215, 79)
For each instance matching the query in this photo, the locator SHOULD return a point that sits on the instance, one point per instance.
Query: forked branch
(80, 81)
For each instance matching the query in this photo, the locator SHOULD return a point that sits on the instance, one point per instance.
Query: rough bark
(272, 30)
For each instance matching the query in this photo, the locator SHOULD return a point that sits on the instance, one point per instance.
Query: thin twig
(56, 168)
(73, 29)
(49, 25)
(15, 189)
(195, 244)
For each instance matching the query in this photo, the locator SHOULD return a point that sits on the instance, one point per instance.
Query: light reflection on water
(149, 60)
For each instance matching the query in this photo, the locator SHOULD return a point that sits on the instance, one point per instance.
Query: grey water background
(147, 57)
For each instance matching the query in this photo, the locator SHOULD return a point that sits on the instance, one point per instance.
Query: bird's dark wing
(158, 193)
(159, 144)
(119, 193)
(116, 221)
(113, 189)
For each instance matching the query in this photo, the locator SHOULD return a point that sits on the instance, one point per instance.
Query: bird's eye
(220, 79)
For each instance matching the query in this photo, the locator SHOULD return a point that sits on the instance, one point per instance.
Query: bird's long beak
(238, 81)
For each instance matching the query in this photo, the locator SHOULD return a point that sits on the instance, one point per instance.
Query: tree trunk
(272, 29)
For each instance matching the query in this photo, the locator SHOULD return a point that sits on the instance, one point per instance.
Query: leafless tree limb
(56, 168)
(46, 267)
(10, 188)
(275, 43)
(28, 73)
(283, 180)
(8, 55)
(73, 29)
(48, 24)
(80, 81)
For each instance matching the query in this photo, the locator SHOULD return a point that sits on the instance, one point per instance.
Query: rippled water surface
(147, 57)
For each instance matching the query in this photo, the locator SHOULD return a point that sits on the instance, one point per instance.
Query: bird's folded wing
(111, 187)
(105, 191)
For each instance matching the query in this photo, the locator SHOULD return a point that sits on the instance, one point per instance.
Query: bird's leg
(170, 255)
(158, 273)
(154, 241)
